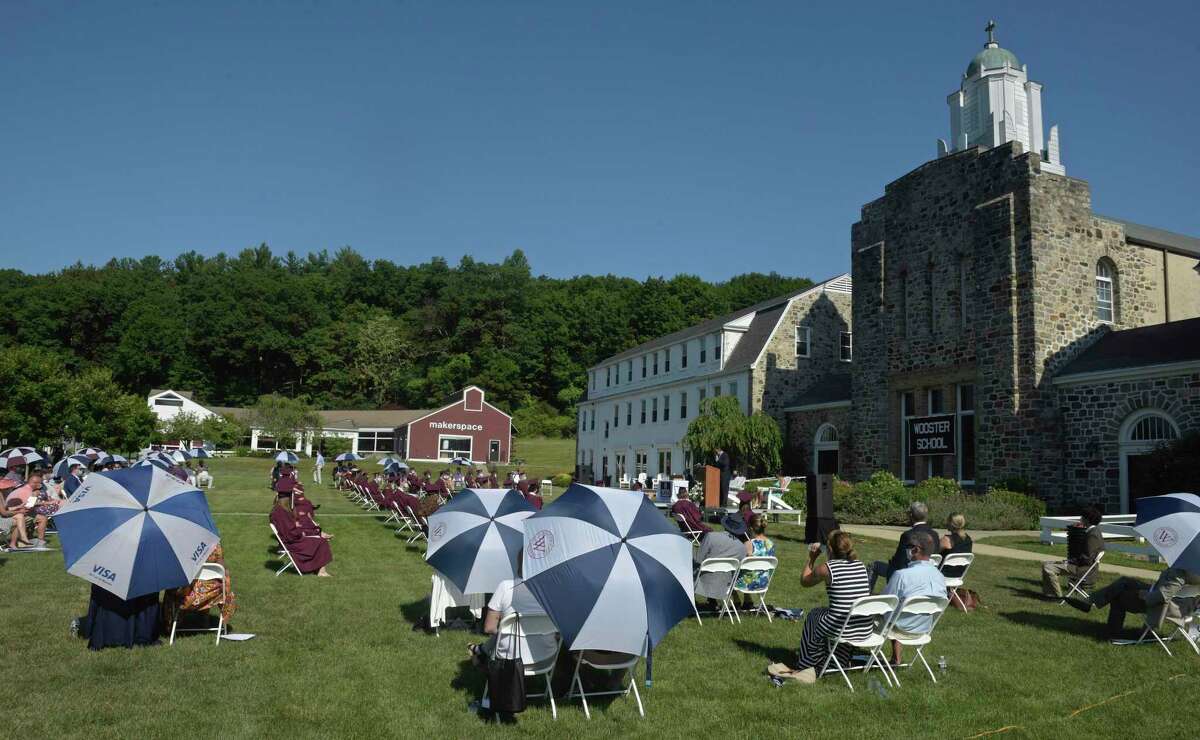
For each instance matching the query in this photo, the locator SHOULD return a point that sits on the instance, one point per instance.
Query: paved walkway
(981, 548)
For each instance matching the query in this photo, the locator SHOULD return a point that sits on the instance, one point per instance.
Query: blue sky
(638, 138)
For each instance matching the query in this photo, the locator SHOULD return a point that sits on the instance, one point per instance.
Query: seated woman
(958, 541)
(534, 495)
(200, 596)
(511, 596)
(304, 540)
(759, 545)
(23, 502)
(845, 579)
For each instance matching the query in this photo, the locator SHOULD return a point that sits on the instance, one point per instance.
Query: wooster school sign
(931, 435)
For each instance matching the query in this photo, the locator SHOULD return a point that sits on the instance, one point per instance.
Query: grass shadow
(1027, 593)
(771, 653)
(1065, 623)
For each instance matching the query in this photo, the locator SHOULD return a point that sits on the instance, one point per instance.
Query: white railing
(1117, 530)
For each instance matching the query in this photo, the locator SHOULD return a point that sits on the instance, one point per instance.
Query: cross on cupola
(997, 103)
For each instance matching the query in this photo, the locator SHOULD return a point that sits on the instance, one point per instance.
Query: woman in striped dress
(845, 579)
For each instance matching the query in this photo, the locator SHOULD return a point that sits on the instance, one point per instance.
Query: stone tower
(996, 103)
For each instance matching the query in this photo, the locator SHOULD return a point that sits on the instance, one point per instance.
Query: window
(656, 363)
(616, 374)
(582, 419)
(168, 402)
(907, 407)
(376, 442)
(629, 414)
(803, 341)
(616, 415)
(683, 405)
(847, 349)
(654, 410)
(593, 377)
(606, 430)
(936, 466)
(664, 462)
(607, 377)
(700, 400)
(683, 355)
(1153, 428)
(717, 348)
(733, 389)
(966, 433)
(643, 366)
(643, 411)
(667, 407)
(450, 447)
(639, 462)
(629, 375)
(1104, 291)
(703, 350)
(667, 360)
(592, 424)
(716, 391)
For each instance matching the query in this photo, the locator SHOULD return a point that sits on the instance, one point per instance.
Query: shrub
(933, 488)
(981, 512)
(883, 499)
(1033, 507)
(562, 480)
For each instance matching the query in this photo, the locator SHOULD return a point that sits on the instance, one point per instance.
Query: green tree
(380, 354)
(283, 418)
(753, 442)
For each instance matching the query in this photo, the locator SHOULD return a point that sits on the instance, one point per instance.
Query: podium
(818, 515)
(712, 487)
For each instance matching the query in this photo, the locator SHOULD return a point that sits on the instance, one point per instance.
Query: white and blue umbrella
(461, 461)
(18, 456)
(608, 568)
(136, 531)
(199, 453)
(62, 468)
(287, 456)
(384, 461)
(1171, 524)
(395, 466)
(348, 457)
(476, 538)
(91, 453)
(180, 456)
(110, 460)
(152, 462)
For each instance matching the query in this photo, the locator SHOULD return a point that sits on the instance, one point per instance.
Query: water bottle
(942, 664)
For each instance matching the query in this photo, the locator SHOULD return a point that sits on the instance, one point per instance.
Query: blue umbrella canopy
(287, 456)
(476, 538)
(384, 461)
(199, 453)
(152, 462)
(1171, 524)
(461, 461)
(62, 468)
(136, 531)
(348, 457)
(608, 568)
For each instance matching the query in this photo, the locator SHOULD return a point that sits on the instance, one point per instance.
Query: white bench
(1117, 530)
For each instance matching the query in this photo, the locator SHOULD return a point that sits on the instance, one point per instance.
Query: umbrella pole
(649, 661)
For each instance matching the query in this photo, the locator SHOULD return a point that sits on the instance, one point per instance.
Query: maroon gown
(310, 551)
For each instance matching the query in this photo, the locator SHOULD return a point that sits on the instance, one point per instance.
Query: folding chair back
(287, 554)
(607, 662)
(208, 572)
(760, 567)
(881, 611)
(1078, 585)
(728, 566)
(958, 560)
(932, 607)
(693, 534)
(936, 560)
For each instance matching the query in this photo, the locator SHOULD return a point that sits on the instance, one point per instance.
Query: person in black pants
(721, 462)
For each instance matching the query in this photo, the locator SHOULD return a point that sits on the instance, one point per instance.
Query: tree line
(343, 331)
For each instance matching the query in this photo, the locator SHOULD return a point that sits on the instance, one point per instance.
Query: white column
(254, 439)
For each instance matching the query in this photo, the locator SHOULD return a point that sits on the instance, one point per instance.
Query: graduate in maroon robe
(305, 542)
(532, 493)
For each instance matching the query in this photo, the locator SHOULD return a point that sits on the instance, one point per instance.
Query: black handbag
(506, 678)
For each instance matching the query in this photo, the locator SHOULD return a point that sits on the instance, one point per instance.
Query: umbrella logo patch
(540, 544)
(1166, 537)
(438, 531)
(104, 573)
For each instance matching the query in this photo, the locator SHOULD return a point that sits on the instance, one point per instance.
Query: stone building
(638, 403)
(982, 283)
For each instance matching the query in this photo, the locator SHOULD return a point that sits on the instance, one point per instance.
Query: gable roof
(343, 418)
(759, 337)
(831, 389)
(182, 394)
(1143, 347)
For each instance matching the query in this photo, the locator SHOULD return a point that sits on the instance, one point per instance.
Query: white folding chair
(1182, 626)
(606, 661)
(520, 627)
(936, 560)
(402, 519)
(285, 553)
(693, 534)
(729, 566)
(1077, 584)
(880, 610)
(957, 560)
(419, 530)
(932, 607)
(755, 565)
(208, 572)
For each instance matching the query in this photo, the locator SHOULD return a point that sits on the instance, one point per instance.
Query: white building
(638, 404)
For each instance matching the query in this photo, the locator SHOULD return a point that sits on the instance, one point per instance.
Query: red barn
(470, 427)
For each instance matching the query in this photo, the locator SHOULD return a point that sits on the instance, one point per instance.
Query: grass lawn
(337, 657)
(1033, 544)
(544, 457)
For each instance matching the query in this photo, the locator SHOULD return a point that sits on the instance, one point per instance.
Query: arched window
(827, 433)
(1150, 428)
(1106, 291)
(826, 449)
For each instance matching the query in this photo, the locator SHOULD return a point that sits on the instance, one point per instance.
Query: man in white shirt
(512, 596)
(317, 465)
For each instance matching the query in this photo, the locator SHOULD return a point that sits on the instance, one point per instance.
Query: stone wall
(780, 376)
(1092, 416)
(801, 431)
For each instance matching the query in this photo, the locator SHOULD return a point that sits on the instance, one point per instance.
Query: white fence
(1117, 530)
